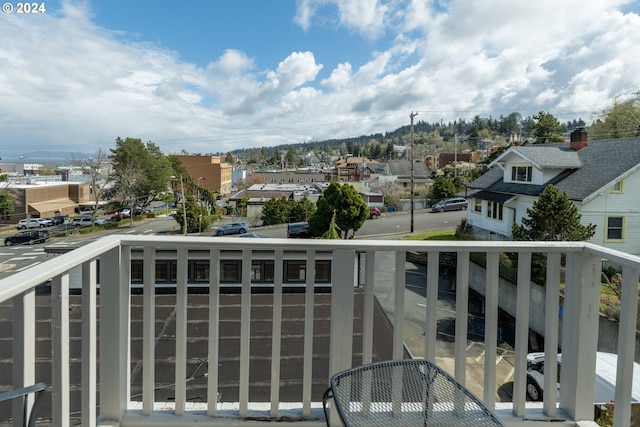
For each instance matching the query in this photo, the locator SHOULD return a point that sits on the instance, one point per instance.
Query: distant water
(35, 160)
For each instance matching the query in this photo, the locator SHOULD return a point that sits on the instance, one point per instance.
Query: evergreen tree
(350, 209)
(553, 217)
(442, 188)
(301, 210)
(547, 128)
(275, 211)
(333, 232)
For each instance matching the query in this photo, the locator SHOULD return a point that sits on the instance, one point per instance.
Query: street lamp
(200, 205)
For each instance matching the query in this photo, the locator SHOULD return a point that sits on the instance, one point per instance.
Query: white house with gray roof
(602, 178)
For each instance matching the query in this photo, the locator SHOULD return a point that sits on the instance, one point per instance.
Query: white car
(45, 222)
(605, 387)
(29, 223)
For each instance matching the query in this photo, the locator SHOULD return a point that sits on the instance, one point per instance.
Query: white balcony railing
(105, 389)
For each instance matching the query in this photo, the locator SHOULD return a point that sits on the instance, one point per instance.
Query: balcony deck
(110, 340)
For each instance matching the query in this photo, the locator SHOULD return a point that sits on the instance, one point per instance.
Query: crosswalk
(18, 258)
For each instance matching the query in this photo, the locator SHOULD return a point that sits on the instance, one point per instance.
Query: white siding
(609, 204)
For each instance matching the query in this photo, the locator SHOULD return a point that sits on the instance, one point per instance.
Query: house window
(477, 205)
(615, 228)
(262, 271)
(618, 187)
(230, 271)
(295, 271)
(521, 173)
(494, 210)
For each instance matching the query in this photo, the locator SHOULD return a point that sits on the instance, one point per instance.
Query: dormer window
(521, 173)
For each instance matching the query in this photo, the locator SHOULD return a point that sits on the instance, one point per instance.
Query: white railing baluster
(89, 344)
(307, 368)
(551, 331)
(245, 333)
(626, 346)
(181, 332)
(462, 315)
(24, 347)
(148, 330)
(368, 302)
(523, 294)
(431, 325)
(491, 328)
(276, 338)
(214, 332)
(399, 286)
(60, 350)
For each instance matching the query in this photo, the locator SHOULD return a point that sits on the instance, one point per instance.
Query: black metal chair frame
(407, 392)
(37, 389)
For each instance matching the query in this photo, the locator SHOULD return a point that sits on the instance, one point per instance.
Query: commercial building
(209, 171)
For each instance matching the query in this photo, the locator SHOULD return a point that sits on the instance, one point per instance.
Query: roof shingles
(586, 171)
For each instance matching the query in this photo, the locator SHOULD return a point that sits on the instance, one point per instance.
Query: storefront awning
(52, 205)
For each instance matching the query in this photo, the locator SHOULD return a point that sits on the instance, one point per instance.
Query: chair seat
(408, 392)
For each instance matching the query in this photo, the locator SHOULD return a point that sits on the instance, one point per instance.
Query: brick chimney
(578, 139)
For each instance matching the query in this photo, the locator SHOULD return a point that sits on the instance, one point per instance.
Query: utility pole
(411, 116)
(455, 155)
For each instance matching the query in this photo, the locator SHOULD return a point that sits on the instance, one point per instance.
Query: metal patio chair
(22, 393)
(408, 392)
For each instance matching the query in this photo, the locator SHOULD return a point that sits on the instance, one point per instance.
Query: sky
(214, 76)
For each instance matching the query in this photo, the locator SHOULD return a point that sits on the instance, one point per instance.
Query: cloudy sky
(213, 76)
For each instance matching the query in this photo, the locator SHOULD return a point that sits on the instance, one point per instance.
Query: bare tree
(98, 168)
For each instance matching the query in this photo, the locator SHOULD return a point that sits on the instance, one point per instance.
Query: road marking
(29, 266)
(4, 266)
(509, 376)
(21, 258)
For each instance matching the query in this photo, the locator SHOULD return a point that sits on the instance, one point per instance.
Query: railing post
(342, 300)
(580, 335)
(115, 319)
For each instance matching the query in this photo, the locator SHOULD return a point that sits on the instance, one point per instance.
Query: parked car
(232, 228)
(454, 204)
(23, 224)
(297, 230)
(255, 235)
(45, 222)
(59, 219)
(605, 386)
(374, 212)
(86, 221)
(28, 236)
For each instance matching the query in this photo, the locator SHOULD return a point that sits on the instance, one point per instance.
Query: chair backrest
(409, 392)
(23, 393)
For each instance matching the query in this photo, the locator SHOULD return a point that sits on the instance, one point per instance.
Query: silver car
(232, 228)
(454, 204)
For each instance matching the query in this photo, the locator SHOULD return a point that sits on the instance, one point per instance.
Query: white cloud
(365, 17)
(66, 82)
